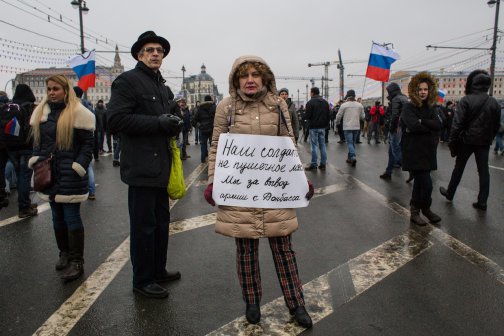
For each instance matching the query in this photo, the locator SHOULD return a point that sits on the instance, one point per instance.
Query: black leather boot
(301, 316)
(76, 256)
(62, 242)
(253, 313)
(415, 217)
(431, 216)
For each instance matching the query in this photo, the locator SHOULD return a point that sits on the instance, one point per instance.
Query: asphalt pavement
(365, 269)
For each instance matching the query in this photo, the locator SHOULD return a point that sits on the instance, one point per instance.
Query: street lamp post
(81, 5)
(491, 3)
(183, 80)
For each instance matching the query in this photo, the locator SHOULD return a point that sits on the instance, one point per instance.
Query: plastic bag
(176, 184)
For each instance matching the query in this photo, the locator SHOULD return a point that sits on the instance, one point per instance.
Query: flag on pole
(380, 60)
(12, 127)
(84, 67)
(441, 95)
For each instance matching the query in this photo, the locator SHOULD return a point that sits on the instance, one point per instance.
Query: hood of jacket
(478, 81)
(413, 89)
(393, 90)
(233, 91)
(23, 94)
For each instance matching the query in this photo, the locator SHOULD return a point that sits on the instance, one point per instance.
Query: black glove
(170, 125)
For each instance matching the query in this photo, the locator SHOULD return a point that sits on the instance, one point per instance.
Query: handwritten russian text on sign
(258, 171)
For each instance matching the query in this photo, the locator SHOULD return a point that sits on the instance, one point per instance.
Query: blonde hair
(64, 127)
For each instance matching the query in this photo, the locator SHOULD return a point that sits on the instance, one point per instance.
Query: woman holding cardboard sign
(255, 108)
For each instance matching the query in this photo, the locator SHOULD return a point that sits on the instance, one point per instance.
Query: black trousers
(149, 220)
(4, 157)
(481, 156)
(421, 196)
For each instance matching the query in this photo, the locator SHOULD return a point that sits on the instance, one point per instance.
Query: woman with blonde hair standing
(63, 129)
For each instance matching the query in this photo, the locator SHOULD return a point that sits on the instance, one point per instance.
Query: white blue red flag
(441, 95)
(380, 60)
(12, 127)
(84, 67)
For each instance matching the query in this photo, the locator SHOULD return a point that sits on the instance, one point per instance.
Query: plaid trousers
(249, 275)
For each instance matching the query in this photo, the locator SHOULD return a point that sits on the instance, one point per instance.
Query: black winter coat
(139, 97)
(317, 113)
(204, 117)
(69, 167)
(420, 135)
(484, 118)
(397, 101)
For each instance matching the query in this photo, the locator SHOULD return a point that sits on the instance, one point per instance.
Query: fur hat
(23, 94)
(149, 37)
(283, 90)
(413, 88)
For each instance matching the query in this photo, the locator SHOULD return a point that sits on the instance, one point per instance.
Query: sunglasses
(150, 50)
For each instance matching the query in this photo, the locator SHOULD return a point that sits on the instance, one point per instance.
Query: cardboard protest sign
(258, 171)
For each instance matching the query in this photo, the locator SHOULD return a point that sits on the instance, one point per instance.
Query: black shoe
(386, 176)
(359, 142)
(74, 270)
(91, 197)
(310, 167)
(62, 261)
(354, 162)
(253, 313)
(378, 142)
(168, 276)
(109, 151)
(415, 217)
(4, 202)
(348, 161)
(116, 163)
(152, 290)
(322, 167)
(431, 216)
(410, 178)
(444, 192)
(479, 206)
(301, 316)
(28, 212)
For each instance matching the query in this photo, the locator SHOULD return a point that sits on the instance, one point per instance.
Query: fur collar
(413, 89)
(84, 119)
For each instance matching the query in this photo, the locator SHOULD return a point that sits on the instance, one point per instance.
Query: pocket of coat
(147, 163)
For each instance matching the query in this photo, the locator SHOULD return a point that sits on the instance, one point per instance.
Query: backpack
(381, 117)
(15, 124)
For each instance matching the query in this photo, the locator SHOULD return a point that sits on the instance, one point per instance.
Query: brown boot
(433, 218)
(415, 217)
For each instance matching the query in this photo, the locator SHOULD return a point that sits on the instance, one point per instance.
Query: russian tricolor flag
(441, 95)
(380, 60)
(84, 66)
(12, 127)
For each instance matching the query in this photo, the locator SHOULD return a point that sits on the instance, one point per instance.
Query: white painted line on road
(41, 208)
(493, 167)
(69, 313)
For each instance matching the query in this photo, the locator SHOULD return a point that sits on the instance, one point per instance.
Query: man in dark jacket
(20, 147)
(139, 110)
(474, 126)
(204, 117)
(397, 101)
(100, 112)
(318, 117)
(4, 201)
(185, 114)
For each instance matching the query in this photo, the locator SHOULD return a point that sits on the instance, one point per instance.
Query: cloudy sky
(287, 34)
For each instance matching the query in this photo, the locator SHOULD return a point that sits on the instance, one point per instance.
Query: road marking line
(366, 271)
(69, 313)
(43, 207)
(499, 168)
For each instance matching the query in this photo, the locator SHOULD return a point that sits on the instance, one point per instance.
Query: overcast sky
(287, 34)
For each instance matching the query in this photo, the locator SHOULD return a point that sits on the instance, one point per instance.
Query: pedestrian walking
(318, 117)
(63, 129)
(284, 94)
(476, 122)
(140, 110)
(253, 96)
(349, 115)
(420, 126)
(376, 113)
(204, 118)
(4, 157)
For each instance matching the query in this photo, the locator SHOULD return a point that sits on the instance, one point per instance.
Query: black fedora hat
(149, 37)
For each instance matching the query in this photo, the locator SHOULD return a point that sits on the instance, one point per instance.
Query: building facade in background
(196, 87)
(104, 78)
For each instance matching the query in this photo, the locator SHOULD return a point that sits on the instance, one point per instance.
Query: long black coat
(419, 138)
(139, 97)
(69, 168)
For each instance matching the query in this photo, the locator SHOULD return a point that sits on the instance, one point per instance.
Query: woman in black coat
(421, 127)
(63, 129)
(475, 124)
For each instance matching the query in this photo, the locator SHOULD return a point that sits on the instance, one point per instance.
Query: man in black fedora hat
(142, 111)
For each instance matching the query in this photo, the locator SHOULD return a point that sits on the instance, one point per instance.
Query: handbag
(42, 174)
(176, 185)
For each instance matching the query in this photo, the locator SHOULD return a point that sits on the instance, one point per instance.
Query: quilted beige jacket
(242, 115)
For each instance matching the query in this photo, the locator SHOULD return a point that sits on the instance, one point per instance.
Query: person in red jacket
(376, 114)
